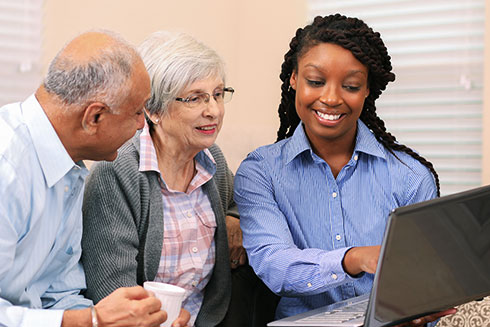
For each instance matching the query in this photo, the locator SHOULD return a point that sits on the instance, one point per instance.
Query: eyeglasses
(197, 99)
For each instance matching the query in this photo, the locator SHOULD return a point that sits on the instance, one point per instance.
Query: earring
(157, 120)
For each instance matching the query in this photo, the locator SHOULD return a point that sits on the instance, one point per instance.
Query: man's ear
(292, 80)
(92, 116)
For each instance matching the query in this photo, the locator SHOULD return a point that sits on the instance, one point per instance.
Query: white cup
(171, 297)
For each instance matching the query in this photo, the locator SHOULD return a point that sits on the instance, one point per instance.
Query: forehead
(328, 56)
(205, 85)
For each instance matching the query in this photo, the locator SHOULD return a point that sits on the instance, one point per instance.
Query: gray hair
(175, 61)
(101, 78)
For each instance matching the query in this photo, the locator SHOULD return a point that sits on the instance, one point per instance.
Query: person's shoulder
(126, 163)
(408, 174)
(16, 148)
(406, 163)
(270, 152)
(14, 134)
(266, 158)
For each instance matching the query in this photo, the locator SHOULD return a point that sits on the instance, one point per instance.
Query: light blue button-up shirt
(298, 220)
(40, 220)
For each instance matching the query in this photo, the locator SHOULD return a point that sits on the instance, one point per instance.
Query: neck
(62, 118)
(175, 161)
(336, 152)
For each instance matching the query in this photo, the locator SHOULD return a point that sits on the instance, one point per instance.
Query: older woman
(158, 211)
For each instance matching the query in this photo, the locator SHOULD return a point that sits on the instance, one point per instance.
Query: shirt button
(334, 194)
(338, 237)
(194, 283)
(356, 157)
(189, 214)
(309, 284)
(194, 249)
(334, 276)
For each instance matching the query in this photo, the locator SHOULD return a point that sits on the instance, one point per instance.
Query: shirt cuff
(332, 268)
(42, 318)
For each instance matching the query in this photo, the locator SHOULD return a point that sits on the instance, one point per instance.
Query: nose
(213, 108)
(331, 96)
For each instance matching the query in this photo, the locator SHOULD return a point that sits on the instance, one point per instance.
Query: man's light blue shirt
(298, 220)
(40, 220)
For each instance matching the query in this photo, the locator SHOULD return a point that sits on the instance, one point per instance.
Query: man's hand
(238, 256)
(130, 306)
(362, 258)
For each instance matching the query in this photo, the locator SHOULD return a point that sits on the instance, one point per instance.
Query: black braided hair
(366, 45)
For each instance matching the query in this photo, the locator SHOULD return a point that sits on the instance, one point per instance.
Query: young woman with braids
(314, 205)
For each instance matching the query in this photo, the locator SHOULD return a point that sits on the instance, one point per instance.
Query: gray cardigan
(123, 229)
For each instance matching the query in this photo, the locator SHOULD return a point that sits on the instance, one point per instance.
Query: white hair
(175, 61)
(102, 78)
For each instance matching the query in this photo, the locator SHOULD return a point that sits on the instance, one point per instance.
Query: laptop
(435, 255)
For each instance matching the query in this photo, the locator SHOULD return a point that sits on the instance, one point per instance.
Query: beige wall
(252, 36)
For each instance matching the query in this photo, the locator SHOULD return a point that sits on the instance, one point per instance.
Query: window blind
(435, 104)
(20, 48)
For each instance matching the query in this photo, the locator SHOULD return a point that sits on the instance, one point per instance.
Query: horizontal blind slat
(20, 48)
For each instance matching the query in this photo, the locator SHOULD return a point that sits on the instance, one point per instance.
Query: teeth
(207, 128)
(328, 117)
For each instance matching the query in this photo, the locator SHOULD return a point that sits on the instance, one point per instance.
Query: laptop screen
(438, 256)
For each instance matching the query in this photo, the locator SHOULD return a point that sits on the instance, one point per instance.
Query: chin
(111, 157)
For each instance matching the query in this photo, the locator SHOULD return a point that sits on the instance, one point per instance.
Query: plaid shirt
(188, 252)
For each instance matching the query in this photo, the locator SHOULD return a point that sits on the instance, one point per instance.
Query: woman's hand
(238, 256)
(419, 322)
(182, 319)
(361, 259)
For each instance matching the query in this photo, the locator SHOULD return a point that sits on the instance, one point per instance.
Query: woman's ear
(153, 118)
(292, 80)
(92, 116)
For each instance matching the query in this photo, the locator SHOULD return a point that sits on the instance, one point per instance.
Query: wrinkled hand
(238, 256)
(362, 258)
(130, 306)
(430, 318)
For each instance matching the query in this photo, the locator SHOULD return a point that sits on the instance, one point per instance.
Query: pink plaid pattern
(188, 252)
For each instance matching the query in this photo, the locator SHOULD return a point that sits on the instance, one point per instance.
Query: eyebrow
(352, 72)
(199, 90)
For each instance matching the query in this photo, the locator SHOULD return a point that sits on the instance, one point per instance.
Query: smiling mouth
(206, 128)
(327, 116)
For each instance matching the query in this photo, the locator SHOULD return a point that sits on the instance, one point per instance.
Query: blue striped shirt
(40, 220)
(298, 220)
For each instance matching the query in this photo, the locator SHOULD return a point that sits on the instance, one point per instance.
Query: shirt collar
(54, 159)
(148, 158)
(365, 142)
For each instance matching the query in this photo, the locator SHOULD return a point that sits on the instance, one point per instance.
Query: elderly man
(90, 103)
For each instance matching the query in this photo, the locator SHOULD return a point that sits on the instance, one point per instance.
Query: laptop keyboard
(346, 315)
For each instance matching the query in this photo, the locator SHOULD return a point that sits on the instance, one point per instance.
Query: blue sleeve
(11, 315)
(284, 268)
(420, 188)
